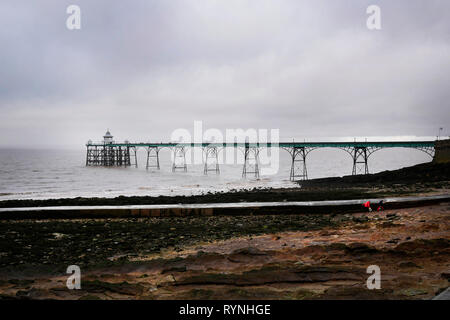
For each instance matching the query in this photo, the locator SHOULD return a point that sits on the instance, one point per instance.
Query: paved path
(331, 203)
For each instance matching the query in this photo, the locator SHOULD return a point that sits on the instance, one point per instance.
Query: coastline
(275, 256)
(427, 178)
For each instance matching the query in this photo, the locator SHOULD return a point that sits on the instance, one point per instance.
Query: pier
(112, 153)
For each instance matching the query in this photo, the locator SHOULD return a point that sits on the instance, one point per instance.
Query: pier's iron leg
(298, 165)
(179, 159)
(123, 155)
(108, 156)
(153, 154)
(119, 156)
(91, 156)
(96, 157)
(251, 162)
(127, 157)
(211, 160)
(104, 156)
(360, 157)
(134, 154)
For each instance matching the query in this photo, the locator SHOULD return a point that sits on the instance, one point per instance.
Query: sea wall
(348, 206)
(442, 154)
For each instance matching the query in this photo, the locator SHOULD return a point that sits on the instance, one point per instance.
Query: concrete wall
(45, 213)
(442, 151)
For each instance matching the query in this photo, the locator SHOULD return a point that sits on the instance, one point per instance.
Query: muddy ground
(246, 257)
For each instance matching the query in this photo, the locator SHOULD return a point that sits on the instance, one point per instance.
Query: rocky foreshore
(277, 256)
(266, 257)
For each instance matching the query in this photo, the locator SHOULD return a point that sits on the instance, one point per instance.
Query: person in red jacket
(367, 205)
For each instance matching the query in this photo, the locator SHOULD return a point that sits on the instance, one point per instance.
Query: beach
(277, 256)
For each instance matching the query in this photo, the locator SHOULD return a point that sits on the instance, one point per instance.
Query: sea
(50, 174)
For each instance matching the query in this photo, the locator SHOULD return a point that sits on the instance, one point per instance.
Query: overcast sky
(145, 68)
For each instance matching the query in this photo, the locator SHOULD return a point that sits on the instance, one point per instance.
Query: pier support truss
(428, 150)
(108, 156)
(211, 154)
(153, 158)
(251, 162)
(92, 156)
(298, 163)
(360, 156)
(179, 158)
(133, 152)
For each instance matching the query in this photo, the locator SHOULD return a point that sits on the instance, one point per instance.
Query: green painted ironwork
(379, 144)
(111, 153)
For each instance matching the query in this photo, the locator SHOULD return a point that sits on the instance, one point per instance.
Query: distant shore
(424, 178)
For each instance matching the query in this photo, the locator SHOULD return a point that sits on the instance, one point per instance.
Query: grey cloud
(145, 68)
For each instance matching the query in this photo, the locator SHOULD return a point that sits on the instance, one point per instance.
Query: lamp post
(439, 133)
